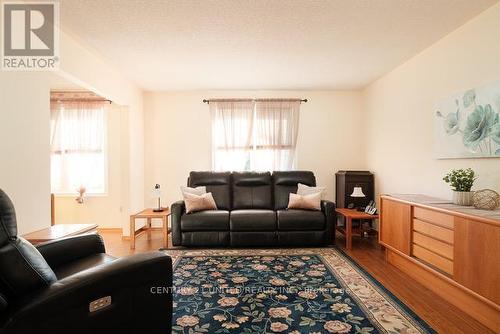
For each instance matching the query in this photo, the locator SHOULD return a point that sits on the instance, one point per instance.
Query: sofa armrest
(328, 209)
(61, 251)
(140, 288)
(177, 209)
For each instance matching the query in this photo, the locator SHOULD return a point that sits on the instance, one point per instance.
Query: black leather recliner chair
(49, 289)
(252, 211)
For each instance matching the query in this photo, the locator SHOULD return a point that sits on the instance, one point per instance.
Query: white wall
(82, 65)
(24, 130)
(178, 135)
(108, 211)
(24, 146)
(399, 110)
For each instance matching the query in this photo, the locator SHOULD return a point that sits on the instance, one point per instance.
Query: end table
(349, 215)
(149, 214)
(59, 231)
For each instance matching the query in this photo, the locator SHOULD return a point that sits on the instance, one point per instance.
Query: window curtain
(78, 137)
(276, 134)
(232, 131)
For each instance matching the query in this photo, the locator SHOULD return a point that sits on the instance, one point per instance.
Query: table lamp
(157, 194)
(358, 192)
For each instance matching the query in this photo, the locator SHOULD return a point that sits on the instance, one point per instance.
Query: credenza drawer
(434, 231)
(436, 246)
(434, 217)
(432, 258)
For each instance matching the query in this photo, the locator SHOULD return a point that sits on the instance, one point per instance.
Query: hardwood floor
(438, 313)
(118, 247)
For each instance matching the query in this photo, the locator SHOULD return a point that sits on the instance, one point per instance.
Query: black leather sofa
(49, 288)
(252, 211)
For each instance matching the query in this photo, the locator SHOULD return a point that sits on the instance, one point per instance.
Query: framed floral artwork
(467, 124)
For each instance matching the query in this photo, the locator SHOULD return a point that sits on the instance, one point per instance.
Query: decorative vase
(463, 198)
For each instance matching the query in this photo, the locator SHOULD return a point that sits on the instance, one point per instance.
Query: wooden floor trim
(109, 229)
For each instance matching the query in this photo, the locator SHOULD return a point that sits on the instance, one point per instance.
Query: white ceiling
(258, 44)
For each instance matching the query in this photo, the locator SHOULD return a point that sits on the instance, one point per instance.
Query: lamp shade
(156, 193)
(357, 192)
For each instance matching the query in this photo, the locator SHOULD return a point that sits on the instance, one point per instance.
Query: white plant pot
(463, 198)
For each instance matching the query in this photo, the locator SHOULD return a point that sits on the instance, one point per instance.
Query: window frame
(253, 147)
(105, 153)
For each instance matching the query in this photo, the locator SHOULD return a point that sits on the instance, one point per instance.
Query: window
(254, 135)
(78, 155)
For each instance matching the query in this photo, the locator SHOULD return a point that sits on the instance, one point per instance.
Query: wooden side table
(349, 215)
(59, 231)
(149, 214)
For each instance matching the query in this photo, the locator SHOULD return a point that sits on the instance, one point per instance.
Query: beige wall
(24, 146)
(83, 66)
(178, 135)
(25, 131)
(108, 211)
(399, 109)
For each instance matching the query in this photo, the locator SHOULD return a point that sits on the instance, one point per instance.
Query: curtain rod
(76, 95)
(79, 100)
(236, 100)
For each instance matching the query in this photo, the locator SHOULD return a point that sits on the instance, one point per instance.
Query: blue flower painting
(467, 125)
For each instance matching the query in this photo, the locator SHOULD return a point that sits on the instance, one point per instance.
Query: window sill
(76, 195)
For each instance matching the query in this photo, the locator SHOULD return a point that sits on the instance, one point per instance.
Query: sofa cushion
(303, 190)
(305, 202)
(300, 220)
(195, 203)
(219, 184)
(213, 220)
(252, 191)
(253, 220)
(194, 191)
(285, 183)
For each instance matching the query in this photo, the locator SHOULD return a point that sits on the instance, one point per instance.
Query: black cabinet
(346, 180)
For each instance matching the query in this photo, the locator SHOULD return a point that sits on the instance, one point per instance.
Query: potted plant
(461, 181)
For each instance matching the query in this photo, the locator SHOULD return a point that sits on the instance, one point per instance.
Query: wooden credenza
(452, 250)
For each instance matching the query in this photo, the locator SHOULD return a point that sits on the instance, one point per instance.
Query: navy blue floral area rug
(317, 290)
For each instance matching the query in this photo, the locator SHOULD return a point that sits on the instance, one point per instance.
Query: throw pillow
(306, 202)
(196, 203)
(195, 191)
(303, 189)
